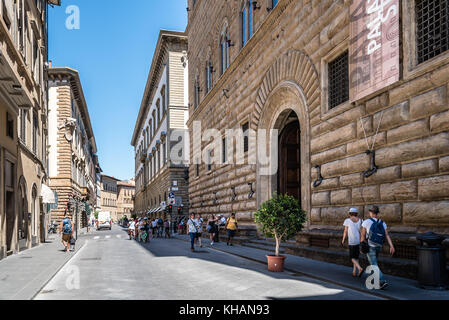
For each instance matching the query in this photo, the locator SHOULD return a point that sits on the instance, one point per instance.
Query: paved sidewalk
(23, 275)
(400, 288)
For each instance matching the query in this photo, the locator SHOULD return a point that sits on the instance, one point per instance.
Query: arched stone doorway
(290, 92)
(285, 112)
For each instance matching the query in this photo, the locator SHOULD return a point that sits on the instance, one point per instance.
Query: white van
(104, 220)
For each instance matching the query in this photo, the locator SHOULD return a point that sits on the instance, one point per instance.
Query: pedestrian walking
(66, 229)
(352, 231)
(154, 225)
(374, 232)
(221, 225)
(167, 228)
(231, 228)
(182, 226)
(212, 228)
(132, 230)
(146, 227)
(199, 233)
(192, 229)
(160, 227)
(175, 226)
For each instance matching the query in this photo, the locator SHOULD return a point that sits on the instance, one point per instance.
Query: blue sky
(112, 51)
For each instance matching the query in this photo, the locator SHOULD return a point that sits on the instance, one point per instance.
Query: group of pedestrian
(157, 228)
(195, 228)
(367, 237)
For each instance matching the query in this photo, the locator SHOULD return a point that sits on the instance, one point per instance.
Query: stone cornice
(77, 89)
(271, 20)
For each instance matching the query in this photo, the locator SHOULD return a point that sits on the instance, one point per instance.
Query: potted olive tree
(281, 218)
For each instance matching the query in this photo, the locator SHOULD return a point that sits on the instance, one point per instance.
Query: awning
(48, 196)
(159, 209)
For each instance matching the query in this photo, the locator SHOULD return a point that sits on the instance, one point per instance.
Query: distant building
(109, 195)
(125, 195)
(163, 111)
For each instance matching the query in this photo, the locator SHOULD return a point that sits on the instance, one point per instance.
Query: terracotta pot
(276, 263)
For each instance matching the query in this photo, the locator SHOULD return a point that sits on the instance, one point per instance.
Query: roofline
(113, 178)
(75, 74)
(164, 35)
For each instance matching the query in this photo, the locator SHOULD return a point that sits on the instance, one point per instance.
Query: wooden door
(289, 177)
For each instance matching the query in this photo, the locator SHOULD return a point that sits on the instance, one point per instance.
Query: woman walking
(231, 228)
(212, 228)
(167, 228)
(352, 231)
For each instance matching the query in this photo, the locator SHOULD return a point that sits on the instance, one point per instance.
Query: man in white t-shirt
(352, 232)
(375, 248)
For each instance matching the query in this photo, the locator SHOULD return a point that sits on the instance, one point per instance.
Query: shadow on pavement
(180, 248)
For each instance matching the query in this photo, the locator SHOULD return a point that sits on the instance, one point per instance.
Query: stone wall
(289, 45)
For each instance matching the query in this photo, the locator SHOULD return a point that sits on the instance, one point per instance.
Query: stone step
(272, 242)
(268, 248)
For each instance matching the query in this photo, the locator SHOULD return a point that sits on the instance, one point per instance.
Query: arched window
(158, 108)
(164, 107)
(196, 95)
(247, 21)
(209, 76)
(224, 50)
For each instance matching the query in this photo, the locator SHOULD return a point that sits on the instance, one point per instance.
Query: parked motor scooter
(53, 228)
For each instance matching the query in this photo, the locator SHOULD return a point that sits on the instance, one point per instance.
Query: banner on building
(374, 46)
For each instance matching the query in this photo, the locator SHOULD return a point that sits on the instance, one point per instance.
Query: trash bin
(432, 272)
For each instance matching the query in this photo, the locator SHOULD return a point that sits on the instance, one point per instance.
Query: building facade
(23, 124)
(98, 172)
(316, 72)
(160, 132)
(72, 147)
(125, 195)
(109, 196)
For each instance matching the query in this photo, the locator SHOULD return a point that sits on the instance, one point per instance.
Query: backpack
(377, 232)
(160, 221)
(67, 226)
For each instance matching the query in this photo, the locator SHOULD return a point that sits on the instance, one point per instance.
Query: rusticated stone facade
(280, 76)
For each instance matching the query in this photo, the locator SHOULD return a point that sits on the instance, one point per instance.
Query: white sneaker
(212, 243)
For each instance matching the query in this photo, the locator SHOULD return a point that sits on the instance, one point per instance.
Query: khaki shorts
(66, 237)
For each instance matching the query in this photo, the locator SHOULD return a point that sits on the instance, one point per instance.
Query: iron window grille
(224, 150)
(245, 129)
(338, 72)
(432, 28)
